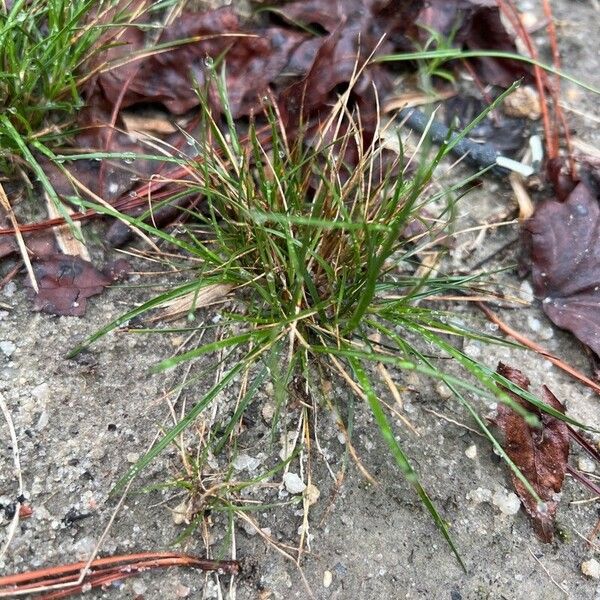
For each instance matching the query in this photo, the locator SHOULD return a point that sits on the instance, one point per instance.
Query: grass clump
(332, 287)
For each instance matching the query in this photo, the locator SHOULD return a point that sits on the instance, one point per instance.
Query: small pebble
(591, 568)
(267, 412)
(7, 348)
(480, 495)
(533, 323)
(182, 591)
(311, 493)
(243, 461)
(293, 484)
(132, 457)
(43, 420)
(472, 349)
(526, 291)
(138, 587)
(471, 451)
(507, 502)
(179, 513)
(9, 289)
(443, 390)
(586, 465)
(327, 578)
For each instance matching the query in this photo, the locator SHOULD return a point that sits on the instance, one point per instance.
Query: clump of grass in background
(44, 46)
(330, 285)
(44, 43)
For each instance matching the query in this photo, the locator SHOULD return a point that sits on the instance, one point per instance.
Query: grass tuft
(332, 287)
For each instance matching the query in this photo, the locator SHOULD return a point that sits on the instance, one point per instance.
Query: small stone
(473, 349)
(43, 420)
(507, 502)
(249, 529)
(9, 289)
(327, 578)
(132, 457)
(471, 451)
(526, 291)
(586, 465)
(480, 495)
(41, 392)
(182, 591)
(243, 461)
(443, 390)
(533, 323)
(179, 513)
(524, 102)
(267, 412)
(591, 568)
(311, 493)
(7, 347)
(293, 484)
(139, 587)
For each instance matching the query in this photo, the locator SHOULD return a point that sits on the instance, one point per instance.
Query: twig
(525, 341)
(562, 589)
(449, 420)
(590, 485)
(102, 571)
(19, 235)
(479, 155)
(10, 275)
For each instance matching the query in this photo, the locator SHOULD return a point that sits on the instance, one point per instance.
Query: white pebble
(480, 495)
(591, 568)
(471, 451)
(526, 291)
(43, 420)
(586, 465)
(243, 461)
(327, 578)
(443, 390)
(9, 289)
(8, 347)
(472, 349)
(41, 392)
(293, 483)
(533, 323)
(507, 502)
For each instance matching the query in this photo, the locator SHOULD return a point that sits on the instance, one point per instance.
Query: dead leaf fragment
(540, 454)
(66, 282)
(565, 257)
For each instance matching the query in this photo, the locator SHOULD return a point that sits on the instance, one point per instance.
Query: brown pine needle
(20, 241)
(64, 579)
(525, 341)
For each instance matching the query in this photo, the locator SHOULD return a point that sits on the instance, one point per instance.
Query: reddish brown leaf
(565, 255)
(66, 282)
(540, 454)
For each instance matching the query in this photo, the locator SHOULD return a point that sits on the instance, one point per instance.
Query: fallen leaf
(66, 282)
(541, 454)
(565, 262)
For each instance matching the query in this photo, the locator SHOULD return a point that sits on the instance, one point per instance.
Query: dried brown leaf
(565, 257)
(540, 454)
(66, 282)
